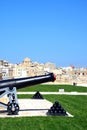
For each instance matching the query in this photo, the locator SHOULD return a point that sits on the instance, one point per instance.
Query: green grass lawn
(75, 105)
(54, 88)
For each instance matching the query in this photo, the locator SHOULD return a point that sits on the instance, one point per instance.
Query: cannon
(9, 86)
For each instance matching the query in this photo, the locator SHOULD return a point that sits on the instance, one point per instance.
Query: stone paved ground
(31, 107)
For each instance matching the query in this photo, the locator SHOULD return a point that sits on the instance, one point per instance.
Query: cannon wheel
(12, 108)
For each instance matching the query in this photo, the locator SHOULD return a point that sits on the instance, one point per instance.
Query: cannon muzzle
(28, 81)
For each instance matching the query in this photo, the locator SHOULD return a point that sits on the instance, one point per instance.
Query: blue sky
(44, 30)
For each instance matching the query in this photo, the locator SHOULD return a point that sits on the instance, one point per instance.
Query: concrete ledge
(55, 93)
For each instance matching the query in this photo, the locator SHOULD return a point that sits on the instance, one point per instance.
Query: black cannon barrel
(27, 81)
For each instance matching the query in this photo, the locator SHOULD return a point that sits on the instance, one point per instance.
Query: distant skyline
(45, 31)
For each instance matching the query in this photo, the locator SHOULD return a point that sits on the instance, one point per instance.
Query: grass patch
(54, 88)
(76, 105)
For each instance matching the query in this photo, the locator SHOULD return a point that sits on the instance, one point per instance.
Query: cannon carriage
(9, 87)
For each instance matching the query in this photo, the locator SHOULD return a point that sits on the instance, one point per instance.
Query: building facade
(68, 75)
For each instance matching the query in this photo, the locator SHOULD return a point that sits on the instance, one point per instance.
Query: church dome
(27, 59)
